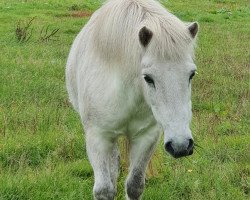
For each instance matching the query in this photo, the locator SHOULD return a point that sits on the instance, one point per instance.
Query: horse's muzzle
(180, 150)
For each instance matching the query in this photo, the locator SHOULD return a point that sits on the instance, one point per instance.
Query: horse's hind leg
(142, 148)
(103, 157)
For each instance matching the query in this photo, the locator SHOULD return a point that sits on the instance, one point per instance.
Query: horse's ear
(145, 36)
(193, 29)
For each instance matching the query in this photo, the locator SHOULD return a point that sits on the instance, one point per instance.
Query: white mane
(114, 34)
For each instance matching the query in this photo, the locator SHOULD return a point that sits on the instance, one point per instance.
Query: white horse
(129, 72)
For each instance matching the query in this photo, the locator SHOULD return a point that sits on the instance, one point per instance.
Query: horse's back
(76, 59)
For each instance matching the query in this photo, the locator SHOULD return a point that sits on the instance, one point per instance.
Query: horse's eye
(149, 80)
(192, 75)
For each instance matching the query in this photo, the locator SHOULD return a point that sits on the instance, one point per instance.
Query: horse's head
(167, 88)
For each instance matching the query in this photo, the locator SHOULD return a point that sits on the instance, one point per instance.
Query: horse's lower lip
(190, 152)
(181, 154)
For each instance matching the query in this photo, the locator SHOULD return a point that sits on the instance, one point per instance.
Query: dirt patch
(81, 14)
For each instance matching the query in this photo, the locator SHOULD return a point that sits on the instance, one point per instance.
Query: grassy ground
(42, 153)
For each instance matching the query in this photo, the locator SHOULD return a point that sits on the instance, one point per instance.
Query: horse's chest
(130, 113)
(114, 103)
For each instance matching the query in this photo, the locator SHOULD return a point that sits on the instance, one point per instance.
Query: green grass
(42, 150)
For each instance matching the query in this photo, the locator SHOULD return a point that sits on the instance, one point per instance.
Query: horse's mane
(115, 27)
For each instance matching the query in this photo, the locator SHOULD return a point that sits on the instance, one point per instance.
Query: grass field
(42, 151)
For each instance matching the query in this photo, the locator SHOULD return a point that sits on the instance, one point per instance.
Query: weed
(46, 35)
(24, 30)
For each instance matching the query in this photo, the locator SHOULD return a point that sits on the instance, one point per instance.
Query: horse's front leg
(142, 148)
(103, 157)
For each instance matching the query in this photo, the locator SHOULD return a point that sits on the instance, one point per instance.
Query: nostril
(191, 144)
(169, 148)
